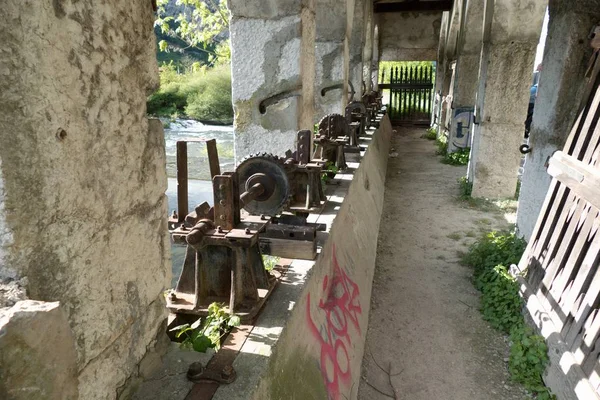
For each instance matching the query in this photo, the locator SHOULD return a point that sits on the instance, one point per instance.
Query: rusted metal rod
(251, 194)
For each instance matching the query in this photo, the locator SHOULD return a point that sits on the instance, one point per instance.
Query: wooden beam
(412, 6)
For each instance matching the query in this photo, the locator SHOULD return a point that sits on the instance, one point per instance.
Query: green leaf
(163, 45)
(234, 321)
(202, 343)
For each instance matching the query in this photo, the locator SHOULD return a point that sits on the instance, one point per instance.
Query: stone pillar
(357, 38)
(440, 73)
(560, 88)
(375, 58)
(272, 64)
(469, 54)
(331, 57)
(368, 46)
(511, 34)
(83, 209)
(466, 73)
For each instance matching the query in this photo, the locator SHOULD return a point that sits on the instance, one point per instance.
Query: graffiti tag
(340, 306)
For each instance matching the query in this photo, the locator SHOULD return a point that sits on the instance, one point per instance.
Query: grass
(460, 157)
(454, 236)
(430, 134)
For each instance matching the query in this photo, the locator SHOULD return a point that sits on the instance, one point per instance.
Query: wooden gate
(561, 262)
(410, 93)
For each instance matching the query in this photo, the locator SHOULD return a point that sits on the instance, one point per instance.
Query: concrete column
(272, 64)
(511, 34)
(560, 88)
(82, 198)
(440, 73)
(375, 58)
(469, 54)
(450, 49)
(331, 57)
(357, 44)
(368, 46)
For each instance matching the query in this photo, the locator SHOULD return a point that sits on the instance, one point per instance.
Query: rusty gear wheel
(268, 170)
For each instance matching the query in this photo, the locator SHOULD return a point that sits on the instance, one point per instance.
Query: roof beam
(412, 6)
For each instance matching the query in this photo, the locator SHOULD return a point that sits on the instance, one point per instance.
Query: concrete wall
(272, 58)
(332, 55)
(317, 352)
(409, 36)
(83, 176)
(561, 85)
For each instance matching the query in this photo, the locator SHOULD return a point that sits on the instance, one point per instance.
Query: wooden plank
(582, 178)
(577, 272)
(563, 374)
(590, 263)
(182, 181)
(293, 249)
(213, 158)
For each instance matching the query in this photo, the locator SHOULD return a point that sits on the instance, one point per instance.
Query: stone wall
(270, 52)
(409, 36)
(84, 177)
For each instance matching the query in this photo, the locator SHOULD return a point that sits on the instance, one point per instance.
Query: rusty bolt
(222, 202)
(221, 187)
(262, 217)
(247, 230)
(219, 229)
(183, 228)
(172, 296)
(227, 372)
(222, 217)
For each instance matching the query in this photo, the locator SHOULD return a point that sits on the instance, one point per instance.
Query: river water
(200, 186)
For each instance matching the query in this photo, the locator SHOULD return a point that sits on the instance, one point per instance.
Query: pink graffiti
(340, 304)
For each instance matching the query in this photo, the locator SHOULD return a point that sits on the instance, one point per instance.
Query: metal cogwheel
(270, 171)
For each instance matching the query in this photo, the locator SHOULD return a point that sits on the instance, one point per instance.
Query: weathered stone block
(37, 353)
(264, 9)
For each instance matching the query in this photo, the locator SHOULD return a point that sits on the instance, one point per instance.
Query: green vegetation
(501, 306)
(460, 157)
(198, 28)
(203, 94)
(442, 145)
(466, 187)
(328, 172)
(270, 262)
(454, 236)
(202, 336)
(431, 134)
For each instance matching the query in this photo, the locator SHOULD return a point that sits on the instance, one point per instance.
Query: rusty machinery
(356, 118)
(373, 102)
(332, 140)
(223, 260)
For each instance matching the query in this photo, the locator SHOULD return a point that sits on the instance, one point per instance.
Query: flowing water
(200, 186)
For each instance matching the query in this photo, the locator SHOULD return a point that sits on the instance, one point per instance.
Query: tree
(202, 24)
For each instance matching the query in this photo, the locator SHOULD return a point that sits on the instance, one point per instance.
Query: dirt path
(424, 321)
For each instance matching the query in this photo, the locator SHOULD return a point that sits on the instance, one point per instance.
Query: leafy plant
(528, 360)
(495, 248)
(329, 170)
(202, 24)
(501, 303)
(442, 145)
(270, 262)
(466, 187)
(501, 306)
(430, 134)
(460, 157)
(201, 336)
